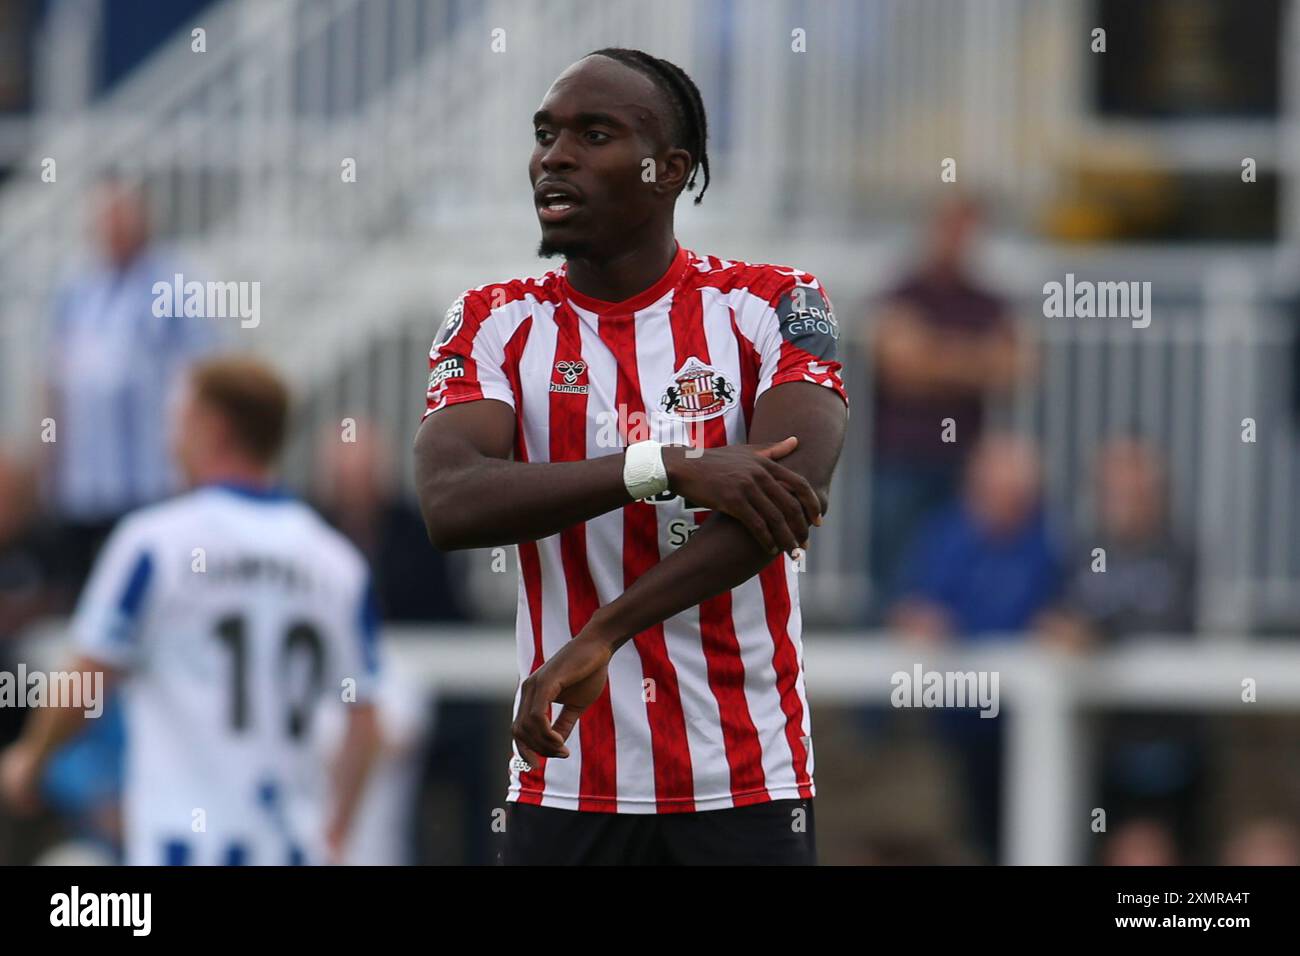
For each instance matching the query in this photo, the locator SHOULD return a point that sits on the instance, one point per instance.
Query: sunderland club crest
(697, 391)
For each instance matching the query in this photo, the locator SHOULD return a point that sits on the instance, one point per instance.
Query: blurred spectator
(1150, 763)
(26, 588)
(1154, 764)
(356, 490)
(986, 565)
(1140, 842)
(942, 345)
(26, 593)
(111, 365)
(81, 786)
(1269, 841)
(1148, 585)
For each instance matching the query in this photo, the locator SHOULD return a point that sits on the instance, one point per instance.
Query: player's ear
(672, 170)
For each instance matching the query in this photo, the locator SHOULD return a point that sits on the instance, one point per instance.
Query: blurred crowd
(963, 549)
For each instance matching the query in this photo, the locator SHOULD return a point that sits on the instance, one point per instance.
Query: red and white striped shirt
(706, 710)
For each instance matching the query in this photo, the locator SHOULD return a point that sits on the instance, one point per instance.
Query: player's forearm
(49, 728)
(936, 368)
(723, 553)
(494, 502)
(352, 769)
(719, 556)
(919, 361)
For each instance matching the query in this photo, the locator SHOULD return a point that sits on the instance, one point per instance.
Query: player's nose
(559, 155)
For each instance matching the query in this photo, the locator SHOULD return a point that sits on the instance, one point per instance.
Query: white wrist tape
(644, 473)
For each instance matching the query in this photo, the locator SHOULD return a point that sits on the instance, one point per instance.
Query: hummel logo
(570, 370)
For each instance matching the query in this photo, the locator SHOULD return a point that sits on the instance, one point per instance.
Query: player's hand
(20, 778)
(921, 624)
(336, 840)
(746, 482)
(574, 676)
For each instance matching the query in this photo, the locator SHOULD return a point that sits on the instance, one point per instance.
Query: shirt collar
(252, 492)
(661, 287)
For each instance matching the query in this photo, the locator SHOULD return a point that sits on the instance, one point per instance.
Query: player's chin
(563, 240)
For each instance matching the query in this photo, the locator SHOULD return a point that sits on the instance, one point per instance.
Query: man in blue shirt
(986, 565)
(983, 568)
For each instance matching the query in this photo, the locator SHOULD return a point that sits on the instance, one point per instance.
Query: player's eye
(597, 136)
(542, 135)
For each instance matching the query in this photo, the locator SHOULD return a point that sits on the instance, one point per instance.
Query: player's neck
(625, 274)
(239, 473)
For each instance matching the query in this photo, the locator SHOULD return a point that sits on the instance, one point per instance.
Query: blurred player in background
(228, 615)
(693, 744)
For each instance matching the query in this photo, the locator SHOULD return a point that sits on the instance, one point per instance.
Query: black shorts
(779, 833)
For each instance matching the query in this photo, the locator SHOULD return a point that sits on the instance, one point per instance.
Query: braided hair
(690, 126)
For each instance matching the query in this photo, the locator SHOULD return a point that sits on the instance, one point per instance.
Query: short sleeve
(107, 624)
(799, 337)
(467, 359)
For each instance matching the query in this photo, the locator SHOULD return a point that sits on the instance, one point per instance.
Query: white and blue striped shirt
(237, 614)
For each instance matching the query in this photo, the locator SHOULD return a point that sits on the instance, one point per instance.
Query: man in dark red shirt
(942, 346)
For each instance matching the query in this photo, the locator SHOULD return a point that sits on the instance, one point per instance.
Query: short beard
(570, 250)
